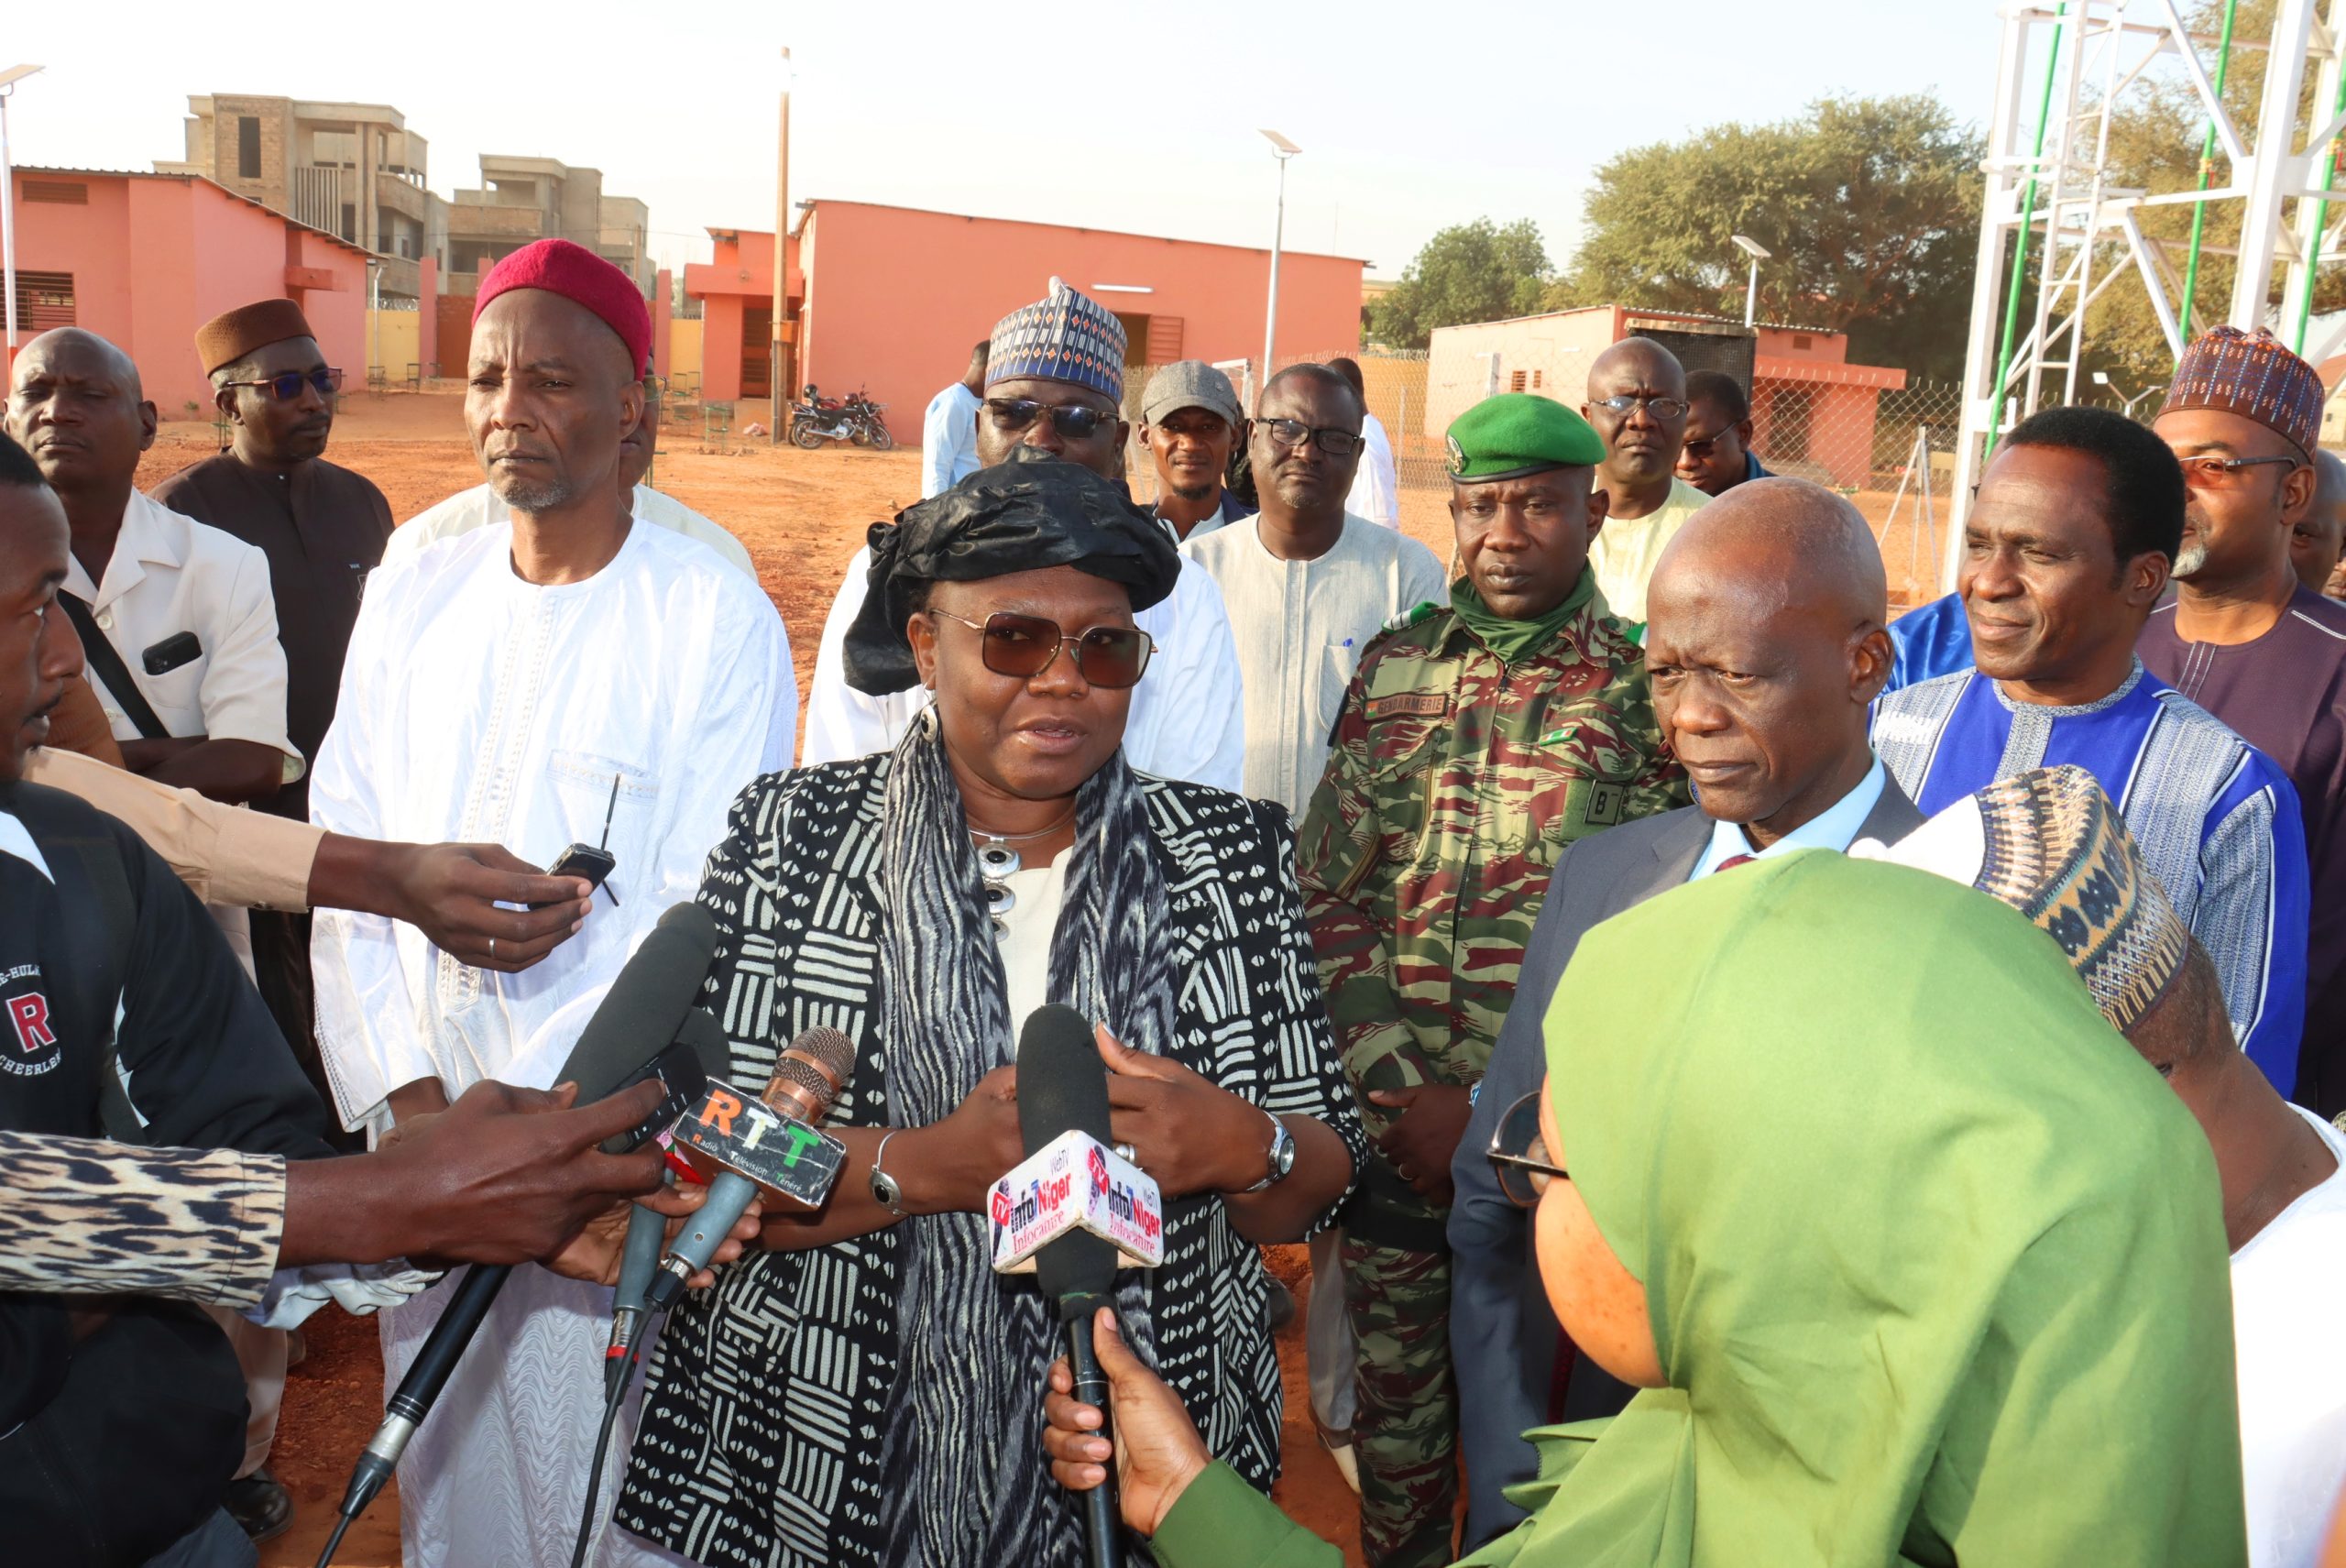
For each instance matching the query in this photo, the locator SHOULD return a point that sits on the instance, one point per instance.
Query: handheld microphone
(749, 1144)
(1063, 1087)
(648, 1002)
(647, 1232)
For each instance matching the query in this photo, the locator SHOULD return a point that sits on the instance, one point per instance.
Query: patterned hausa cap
(1062, 336)
(2051, 844)
(2250, 375)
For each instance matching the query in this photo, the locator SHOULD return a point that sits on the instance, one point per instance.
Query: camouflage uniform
(1454, 780)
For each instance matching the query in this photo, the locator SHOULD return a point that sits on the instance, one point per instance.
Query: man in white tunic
(518, 684)
(1307, 582)
(1055, 378)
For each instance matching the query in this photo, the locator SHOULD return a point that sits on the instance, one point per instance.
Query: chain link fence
(1890, 449)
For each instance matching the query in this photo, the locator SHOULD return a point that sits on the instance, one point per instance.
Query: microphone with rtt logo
(770, 1144)
(1072, 1184)
(647, 1003)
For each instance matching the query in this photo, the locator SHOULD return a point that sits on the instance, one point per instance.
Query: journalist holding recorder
(868, 1382)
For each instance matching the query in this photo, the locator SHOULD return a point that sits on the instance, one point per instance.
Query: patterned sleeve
(84, 1216)
(1336, 855)
(2252, 918)
(741, 988)
(1310, 1079)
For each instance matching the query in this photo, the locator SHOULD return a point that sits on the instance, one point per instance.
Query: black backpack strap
(98, 652)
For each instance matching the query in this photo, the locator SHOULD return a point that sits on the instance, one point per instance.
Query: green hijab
(1934, 1263)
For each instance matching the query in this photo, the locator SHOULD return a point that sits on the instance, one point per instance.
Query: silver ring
(1129, 1155)
(492, 946)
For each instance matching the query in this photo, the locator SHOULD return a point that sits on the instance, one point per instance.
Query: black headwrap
(1026, 512)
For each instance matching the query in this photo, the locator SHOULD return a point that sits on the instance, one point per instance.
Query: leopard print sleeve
(81, 1215)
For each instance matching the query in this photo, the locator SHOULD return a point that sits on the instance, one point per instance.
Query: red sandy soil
(802, 515)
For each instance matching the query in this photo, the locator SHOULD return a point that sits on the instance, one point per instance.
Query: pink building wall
(153, 257)
(894, 296)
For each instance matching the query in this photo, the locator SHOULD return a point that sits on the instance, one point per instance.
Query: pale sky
(1411, 117)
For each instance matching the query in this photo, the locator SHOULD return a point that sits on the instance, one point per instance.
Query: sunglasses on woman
(1025, 645)
(1074, 421)
(288, 386)
(1518, 1154)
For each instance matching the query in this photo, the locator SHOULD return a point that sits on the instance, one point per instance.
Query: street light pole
(1758, 253)
(8, 80)
(1282, 149)
(774, 379)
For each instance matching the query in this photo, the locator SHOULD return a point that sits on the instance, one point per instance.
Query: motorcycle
(856, 418)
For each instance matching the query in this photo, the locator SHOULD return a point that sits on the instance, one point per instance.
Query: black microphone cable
(612, 1403)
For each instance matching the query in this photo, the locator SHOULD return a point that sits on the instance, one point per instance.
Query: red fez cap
(559, 266)
(228, 338)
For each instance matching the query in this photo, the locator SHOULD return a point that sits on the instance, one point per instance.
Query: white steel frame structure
(2048, 186)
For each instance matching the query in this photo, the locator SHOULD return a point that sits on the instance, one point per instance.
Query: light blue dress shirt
(948, 440)
(1837, 827)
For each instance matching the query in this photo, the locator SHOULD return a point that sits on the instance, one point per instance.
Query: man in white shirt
(478, 507)
(948, 431)
(1637, 404)
(526, 683)
(1055, 378)
(184, 608)
(1308, 584)
(2052, 844)
(1377, 492)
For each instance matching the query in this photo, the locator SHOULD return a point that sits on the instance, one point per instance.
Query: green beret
(1515, 433)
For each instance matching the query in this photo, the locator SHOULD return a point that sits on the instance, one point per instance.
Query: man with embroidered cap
(2261, 651)
(1055, 378)
(2050, 844)
(1473, 746)
(525, 684)
(2065, 551)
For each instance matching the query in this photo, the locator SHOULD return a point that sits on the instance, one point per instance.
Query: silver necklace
(998, 863)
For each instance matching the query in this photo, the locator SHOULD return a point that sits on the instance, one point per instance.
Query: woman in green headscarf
(1916, 1261)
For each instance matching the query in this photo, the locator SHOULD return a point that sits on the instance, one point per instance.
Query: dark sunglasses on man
(1074, 421)
(1518, 1155)
(288, 386)
(1025, 645)
(1626, 403)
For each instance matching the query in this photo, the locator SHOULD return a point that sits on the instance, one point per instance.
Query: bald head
(1786, 537)
(1643, 437)
(75, 404)
(1766, 644)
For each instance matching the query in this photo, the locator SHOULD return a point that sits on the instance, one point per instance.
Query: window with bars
(1515, 381)
(44, 300)
(59, 193)
(1539, 379)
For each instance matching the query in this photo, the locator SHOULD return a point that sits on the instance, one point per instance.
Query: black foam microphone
(637, 1019)
(1063, 1086)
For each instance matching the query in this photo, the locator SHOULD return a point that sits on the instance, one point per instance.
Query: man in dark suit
(1766, 646)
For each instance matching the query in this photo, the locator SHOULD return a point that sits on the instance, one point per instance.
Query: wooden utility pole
(781, 378)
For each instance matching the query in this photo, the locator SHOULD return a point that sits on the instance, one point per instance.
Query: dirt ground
(802, 515)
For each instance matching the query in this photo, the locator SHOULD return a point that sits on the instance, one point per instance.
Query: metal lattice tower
(2266, 199)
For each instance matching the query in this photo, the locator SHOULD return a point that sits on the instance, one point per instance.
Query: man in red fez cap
(2246, 641)
(562, 676)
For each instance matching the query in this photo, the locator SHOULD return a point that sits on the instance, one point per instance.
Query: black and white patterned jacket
(758, 1440)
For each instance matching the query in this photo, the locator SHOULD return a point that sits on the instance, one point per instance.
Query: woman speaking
(868, 1390)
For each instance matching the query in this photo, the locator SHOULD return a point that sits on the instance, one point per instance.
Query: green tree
(1871, 207)
(1468, 272)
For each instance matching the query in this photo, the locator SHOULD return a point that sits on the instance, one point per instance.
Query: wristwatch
(885, 1190)
(1282, 1155)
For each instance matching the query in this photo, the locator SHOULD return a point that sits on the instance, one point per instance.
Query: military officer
(1476, 741)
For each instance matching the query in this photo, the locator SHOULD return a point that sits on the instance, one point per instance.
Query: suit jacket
(1502, 1335)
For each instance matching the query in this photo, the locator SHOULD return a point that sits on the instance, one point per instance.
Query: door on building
(757, 351)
